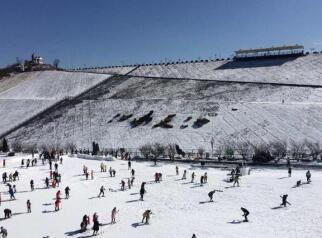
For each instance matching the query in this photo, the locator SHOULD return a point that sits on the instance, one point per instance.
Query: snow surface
(179, 208)
(301, 70)
(260, 117)
(52, 85)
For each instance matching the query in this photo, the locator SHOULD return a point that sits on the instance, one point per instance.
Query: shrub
(125, 117)
(144, 119)
(180, 151)
(262, 154)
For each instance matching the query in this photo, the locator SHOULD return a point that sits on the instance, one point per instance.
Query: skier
(146, 216)
(308, 176)
(28, 206)
(201, 180)
(177, 170)
(132, 172)
(211, 194)
(284, 200)
(4, 163)
(47, 182)
(96, 225)
(57, 204)
(236, 180)
(142, 191)
(86, 175)
(32, 185)
(129, 183)
(61, 160)
(129, 165)
(192, 177)
(58, 195)
(11, 193)
(132, 181)
(205, 177)
(22, 162)
(114, 172)
(184, 176)
(67, 189)
(246, 213)
(3, 232)
(92, 175)
(102, 189)
(194, 236)
(113, 216)
(290, 171)
(84, 223)
(7, 213)
(122, 185)
(111, 171)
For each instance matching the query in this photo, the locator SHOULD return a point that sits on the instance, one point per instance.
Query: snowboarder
(308, 176)
(102, 189)
(146, 216)
(290, 171)
(3, 232)
(246, 213)
(28, 206)
(113, 216)
(32, 185)
(184, 176)
(67, 189)
(284, 200)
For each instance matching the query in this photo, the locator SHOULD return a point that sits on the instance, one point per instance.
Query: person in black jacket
(245, 213)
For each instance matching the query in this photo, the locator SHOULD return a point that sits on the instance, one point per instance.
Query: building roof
(278, 48)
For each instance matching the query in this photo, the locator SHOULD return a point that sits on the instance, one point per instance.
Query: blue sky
(113, 32)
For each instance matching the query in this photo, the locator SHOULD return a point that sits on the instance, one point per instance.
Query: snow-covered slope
(25, 95)
(301, 70)
(52, 85)
(260, 114)
(180, 208)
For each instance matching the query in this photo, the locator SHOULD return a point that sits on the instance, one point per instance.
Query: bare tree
(29, 148)
(56, 63)
(219, 150)
(16, 146)
(314, 148)
(70, 147)
(244, 149)
(171, 149)
(278, 149)
(158, 150)
(297, 149)
(146, 150)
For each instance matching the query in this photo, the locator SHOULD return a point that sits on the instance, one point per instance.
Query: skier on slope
(284, 200)
(32, 185)
(142, 191)
(236, 180)
(132, 172)
(192, 177)
(102, 189)
(28, 206)
(308, 176)
(113, 215)
(211, 194)
(246, 213)
(3, 232)
(96, 225)
(67, 190)
(146, 216)
(177, 170)
(184, 176)
(122, 185)
(129, 165)
(290, 171)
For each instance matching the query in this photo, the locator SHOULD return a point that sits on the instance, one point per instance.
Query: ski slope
(180, 208)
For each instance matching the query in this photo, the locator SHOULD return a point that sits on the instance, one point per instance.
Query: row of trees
(262, 152)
